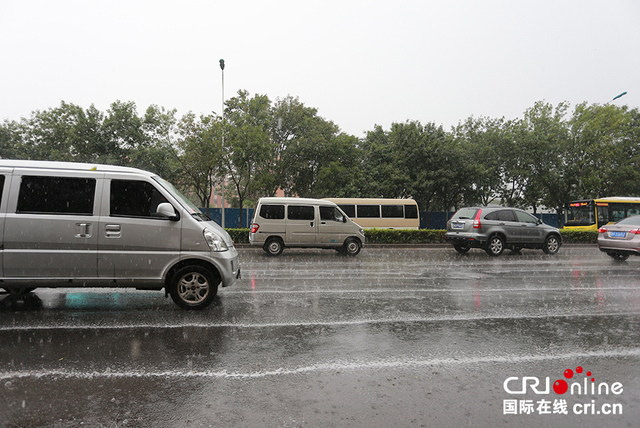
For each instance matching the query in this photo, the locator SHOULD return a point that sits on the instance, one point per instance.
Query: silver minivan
(86, 225)
(303, 222)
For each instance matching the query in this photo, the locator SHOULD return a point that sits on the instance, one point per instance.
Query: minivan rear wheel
(273, 246)
(495, 246)
(194, 287)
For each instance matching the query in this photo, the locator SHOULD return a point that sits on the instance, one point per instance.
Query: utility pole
(222, 114)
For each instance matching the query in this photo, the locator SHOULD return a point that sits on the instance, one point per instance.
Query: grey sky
(360, 63)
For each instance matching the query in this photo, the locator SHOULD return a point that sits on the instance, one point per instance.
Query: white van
(86, 225)
(302, 222)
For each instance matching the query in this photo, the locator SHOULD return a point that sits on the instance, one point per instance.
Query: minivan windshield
(186, 203)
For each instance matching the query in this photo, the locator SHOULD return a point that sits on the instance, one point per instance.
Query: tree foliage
(549, 156)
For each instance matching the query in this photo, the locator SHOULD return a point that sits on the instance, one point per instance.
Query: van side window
(369, 211)
(56, 195)
(331, 214)
(132, 198)
(272, 212)
(300, 212)
(392, 211)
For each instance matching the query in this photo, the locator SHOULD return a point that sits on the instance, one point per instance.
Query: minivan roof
(300, 201)
(71, 166)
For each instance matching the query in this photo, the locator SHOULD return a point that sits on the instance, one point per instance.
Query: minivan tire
(495, 246)
(273, 246)
(351, 247)
(551, 244)
(194, 287)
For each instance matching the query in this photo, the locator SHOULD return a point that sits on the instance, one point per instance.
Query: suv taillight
(255, 227)
(476, 221)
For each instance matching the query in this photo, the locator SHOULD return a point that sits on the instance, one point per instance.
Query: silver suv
(494, 229)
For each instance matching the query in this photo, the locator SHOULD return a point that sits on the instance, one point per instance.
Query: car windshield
(186, 203)
(630, 221)
(465, 214)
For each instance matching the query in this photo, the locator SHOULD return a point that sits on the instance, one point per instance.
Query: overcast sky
(360, 63)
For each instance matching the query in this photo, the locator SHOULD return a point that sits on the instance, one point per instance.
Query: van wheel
(273, 246)
(495, 246)
(551, 244)
(352, 247)
(194, 287)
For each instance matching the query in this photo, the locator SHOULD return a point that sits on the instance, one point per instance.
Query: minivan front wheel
(352, 247)
(551, 244)
(273, 246)
(194, 287)
(495, 246)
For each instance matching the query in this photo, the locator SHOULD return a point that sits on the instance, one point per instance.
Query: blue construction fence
(436, 219)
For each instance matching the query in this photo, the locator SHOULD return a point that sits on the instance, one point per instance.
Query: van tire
(194, 287)
(273, 246)
(351, 247)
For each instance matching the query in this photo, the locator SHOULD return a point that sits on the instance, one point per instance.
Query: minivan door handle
(311, 224)
(83, 230)
(113, 230)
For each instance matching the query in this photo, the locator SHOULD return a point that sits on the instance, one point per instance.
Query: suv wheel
(495, 246)
(551, 244)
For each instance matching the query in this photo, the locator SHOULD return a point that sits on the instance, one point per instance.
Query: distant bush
(579, 237)
(239, 236)
(422, 236)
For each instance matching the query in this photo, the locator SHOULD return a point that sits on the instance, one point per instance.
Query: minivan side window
(300, 212)
(272, 212)
(1, 186)
(56, 195)
(132, 198)
(331, 214)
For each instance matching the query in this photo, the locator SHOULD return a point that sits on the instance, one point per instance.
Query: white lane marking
(321, 367)
(452, 318)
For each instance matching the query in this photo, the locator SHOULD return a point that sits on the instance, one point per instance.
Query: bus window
(349, 210)
(368, 211)
(392, 211)
(410, 211)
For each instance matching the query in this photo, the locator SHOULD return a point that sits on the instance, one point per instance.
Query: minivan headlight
(214, 241)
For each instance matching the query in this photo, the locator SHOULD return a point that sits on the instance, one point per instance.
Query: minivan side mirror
(166, 210)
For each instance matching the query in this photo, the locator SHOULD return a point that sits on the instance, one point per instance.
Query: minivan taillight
(476, 221)
(255, 227)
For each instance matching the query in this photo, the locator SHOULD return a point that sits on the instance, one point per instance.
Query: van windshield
(186, 203)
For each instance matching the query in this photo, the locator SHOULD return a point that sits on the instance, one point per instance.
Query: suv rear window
(465, 214)
(272, 212)
(502, 215)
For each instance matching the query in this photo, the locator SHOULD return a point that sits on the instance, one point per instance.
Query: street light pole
(222, 114)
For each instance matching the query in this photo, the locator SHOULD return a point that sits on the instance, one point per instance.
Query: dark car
(622, 239)
(496, 228)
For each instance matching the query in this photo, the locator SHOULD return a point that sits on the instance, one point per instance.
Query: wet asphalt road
(393, 337)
